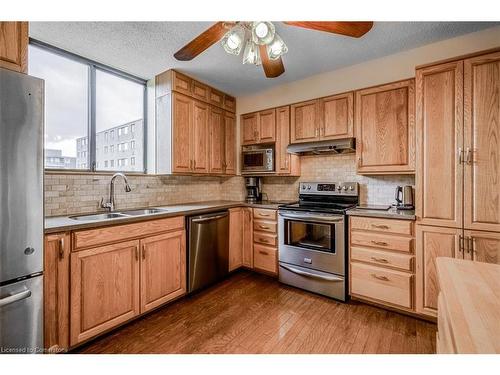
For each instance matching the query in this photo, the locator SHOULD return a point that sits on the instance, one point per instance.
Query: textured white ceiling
(146, 48)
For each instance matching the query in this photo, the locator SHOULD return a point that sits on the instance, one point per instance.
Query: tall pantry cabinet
(458, 167)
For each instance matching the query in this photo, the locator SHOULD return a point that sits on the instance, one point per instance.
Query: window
(132, 145)
(75, 87)
(132, 161)
(105, 163)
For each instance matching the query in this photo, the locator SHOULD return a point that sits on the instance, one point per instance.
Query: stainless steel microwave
(257, 159)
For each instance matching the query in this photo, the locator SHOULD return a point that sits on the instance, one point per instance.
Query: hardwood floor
(252, 313)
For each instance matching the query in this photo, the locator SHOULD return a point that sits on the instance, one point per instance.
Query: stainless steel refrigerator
(21, 212)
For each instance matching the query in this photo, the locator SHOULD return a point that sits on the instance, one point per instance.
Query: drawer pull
(380, 226)
(380, 243)
(263, 240)
(380, 260)
(144, 251)
(263, 252)
(137, 253)
(263, 227)
(61, 248)
(261, 214)
(383, 278)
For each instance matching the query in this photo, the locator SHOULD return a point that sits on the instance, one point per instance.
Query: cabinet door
(182, 117)
(338, 116)
(249, 129)
(482, 142)
(104, 288)
(200, 137)
(229, 143)
(247, 237)
(304, 125)
(200, 91)
(385, 128)
(267, 126)
(163, 269)
(181, 83)
(433, 242)
(14, 46)
(286, 163)
(439, 174)
(216, 140)
(483, 246)
(56, 292)
(235, 238)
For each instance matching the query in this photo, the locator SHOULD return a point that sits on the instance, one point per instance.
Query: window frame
(93, 66)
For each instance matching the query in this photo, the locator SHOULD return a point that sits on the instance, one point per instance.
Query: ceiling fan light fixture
(233, 40)
(251, 54)
(263, 32)
(276, 48)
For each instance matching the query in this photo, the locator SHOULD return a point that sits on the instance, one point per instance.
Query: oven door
(313, 241)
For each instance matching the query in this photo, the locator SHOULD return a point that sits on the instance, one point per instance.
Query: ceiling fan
(260, 42)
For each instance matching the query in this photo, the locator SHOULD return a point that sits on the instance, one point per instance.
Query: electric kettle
(404, 197)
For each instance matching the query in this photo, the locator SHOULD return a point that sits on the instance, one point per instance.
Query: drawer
(382, 225)
(265, 258)
(264, 214)
(266, 239)
(382, 258)
(264, 226)
(93, 237)
(181, 83)
(383, 241)
(381, 284)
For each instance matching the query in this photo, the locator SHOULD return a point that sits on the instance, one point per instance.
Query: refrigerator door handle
(15, 297)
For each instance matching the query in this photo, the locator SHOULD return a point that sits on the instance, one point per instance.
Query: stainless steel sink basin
(95, 217)
(146, 211)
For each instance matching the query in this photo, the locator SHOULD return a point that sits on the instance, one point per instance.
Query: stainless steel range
(313, 238)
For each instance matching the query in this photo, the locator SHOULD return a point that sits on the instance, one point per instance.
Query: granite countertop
(65, 223)
(391, 213)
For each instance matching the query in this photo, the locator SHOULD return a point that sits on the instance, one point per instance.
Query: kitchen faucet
(110, 205)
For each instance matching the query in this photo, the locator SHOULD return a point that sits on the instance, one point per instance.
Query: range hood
(337, 146)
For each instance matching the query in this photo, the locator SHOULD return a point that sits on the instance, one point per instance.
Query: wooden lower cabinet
(482, 246)
(163, 269)
(265, 246)
(247, 237)
(235, 238)
(265, 258)
(56, 292)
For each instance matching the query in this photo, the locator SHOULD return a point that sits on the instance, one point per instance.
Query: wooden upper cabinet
(200, 137)
(483, 246)
(235, 238)
(104, 288)
(14, 46)
(305, 121)
(482, 142)
(229, 143)
(182, 118)
(439, 134)
(163, 269)
(249, 129)
(286, 164)
(337, 116)
(432, 242)
(385, 128)
(247, 256)
(200, 91)
(56, 288)
(181, 83)
(266, 126)
(229, 103)
(215, 97)
(216, 140)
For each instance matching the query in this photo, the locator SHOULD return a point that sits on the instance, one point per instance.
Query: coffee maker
(254, 189)
(404, 198)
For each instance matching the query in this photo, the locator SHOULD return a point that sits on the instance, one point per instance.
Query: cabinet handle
(380, 226)
(194, 164)
(472, 242)
(137, 252)
(144, 251)
(263, 240)
(263, 252)
(461, 241)
(263, 227)
(380, 260)
(460, 155)
(286, 161)
(468, 156)
(61, 248)
(316, 133)
(261, 214)
(383, 278)
(359, 161)
(380, 243)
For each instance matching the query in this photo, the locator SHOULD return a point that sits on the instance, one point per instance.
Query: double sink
(116, 215)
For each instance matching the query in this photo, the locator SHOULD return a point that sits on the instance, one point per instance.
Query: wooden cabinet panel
(267, 126)
(56, 287)
(249, 129)
(216, 140)
(247, 237)
(391, 259)
(482, 246)
(439, 172)
(235, 238)
(338, 116)
(404, 227)
(104, 288)
(216, 97)
(163, 269)
(181, 83)
(266, 239)
(286, 164)
(182, 113)
(305, 121)
(385, 129)
(432, 242)
(229, 143)
(265, 258)
(482, 142)
(382, 241)
(14, 46)
(229, 103)
(265, 214)
(264, 226)
(200, 134)
(200, 91)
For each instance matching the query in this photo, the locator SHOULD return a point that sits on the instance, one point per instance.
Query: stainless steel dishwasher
(208, 244)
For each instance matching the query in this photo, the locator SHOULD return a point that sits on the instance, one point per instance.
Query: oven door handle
(308, 217)
(312, 275)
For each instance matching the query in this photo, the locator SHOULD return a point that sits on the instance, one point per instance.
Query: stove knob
(345, 187)
(308, 187)
(339, 188)
(351, 188)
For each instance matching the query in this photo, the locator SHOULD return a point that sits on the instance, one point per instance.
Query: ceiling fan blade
(272, 68)
(199, 44)
(354, 29)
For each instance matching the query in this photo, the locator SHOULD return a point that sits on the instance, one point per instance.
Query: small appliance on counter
(253, 186)
(404, 198)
